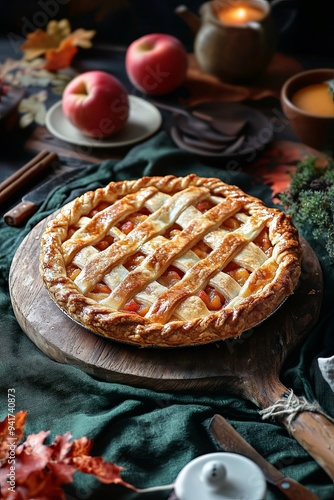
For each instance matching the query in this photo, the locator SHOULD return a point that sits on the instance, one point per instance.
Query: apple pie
(169, 261)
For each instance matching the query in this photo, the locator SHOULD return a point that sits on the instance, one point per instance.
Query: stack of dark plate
(219, 129)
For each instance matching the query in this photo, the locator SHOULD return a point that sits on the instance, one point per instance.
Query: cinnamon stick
(23, 169)
(25, 174)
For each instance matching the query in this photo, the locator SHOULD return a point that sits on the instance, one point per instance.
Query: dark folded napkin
(204, 87)
(153, 435)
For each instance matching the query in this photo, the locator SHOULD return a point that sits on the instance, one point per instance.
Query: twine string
(290, 407)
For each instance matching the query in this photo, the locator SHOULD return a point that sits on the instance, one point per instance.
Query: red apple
(96, 103)
(156, 63)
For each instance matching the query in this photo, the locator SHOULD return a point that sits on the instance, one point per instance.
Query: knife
(230, 440)
(32, 200)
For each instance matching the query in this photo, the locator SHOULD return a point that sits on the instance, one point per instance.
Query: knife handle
(20, 213)
(291, 489)
(315, 433)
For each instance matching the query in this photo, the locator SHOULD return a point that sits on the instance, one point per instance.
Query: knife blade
(230, 440)
(33, 200)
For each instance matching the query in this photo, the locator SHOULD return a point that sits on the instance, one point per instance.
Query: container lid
(220, 476)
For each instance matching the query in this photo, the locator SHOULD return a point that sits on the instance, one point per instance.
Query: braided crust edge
(134, 329)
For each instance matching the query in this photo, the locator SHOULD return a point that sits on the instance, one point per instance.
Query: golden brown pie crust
(118, 264)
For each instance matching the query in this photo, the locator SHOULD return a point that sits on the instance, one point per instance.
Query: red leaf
(32, 454)
(106, 472)
(34, 443)
(43, 485)
(62, 472)
(81, 447)
(61, 446)
(26, 464)
(11, 433)
(41, 469)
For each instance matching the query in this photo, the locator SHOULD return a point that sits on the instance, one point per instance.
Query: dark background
(304, 26)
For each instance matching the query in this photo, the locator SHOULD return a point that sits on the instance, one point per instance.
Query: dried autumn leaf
(59, 30)
(26, 120)
(63, 472)
(32, 109)
(39, 485)
(27, 464)
(32, 454)
(61, 57)
(82, 38)
(61, 446)
(41, 469)
(8, 436)
(57, 43)
(81, 447)
(38, 43)
(106, 472)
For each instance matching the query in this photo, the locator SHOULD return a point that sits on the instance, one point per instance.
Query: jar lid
(223, 476)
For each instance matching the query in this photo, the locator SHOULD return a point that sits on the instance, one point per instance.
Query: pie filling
(212, 297)
(155, 263)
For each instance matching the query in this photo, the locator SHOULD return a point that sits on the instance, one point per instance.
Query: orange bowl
(316, 131)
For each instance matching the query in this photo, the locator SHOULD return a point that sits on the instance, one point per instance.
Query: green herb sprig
(310, 202)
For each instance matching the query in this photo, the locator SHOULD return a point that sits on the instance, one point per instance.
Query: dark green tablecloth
(151, 434)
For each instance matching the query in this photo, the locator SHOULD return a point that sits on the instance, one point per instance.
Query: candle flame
(241, 13)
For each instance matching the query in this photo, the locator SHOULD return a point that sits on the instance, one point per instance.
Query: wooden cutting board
(248, 367)
(202, 367)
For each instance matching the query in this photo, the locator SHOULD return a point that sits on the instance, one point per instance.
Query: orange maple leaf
(58, 44)
(61, 57)
(37, 44)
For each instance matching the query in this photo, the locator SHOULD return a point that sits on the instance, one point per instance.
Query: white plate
(144, 119)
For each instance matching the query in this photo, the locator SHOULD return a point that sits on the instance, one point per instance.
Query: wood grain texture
(316, 435)
(236, 365)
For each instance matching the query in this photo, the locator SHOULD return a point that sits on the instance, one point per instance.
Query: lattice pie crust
(168, 261)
